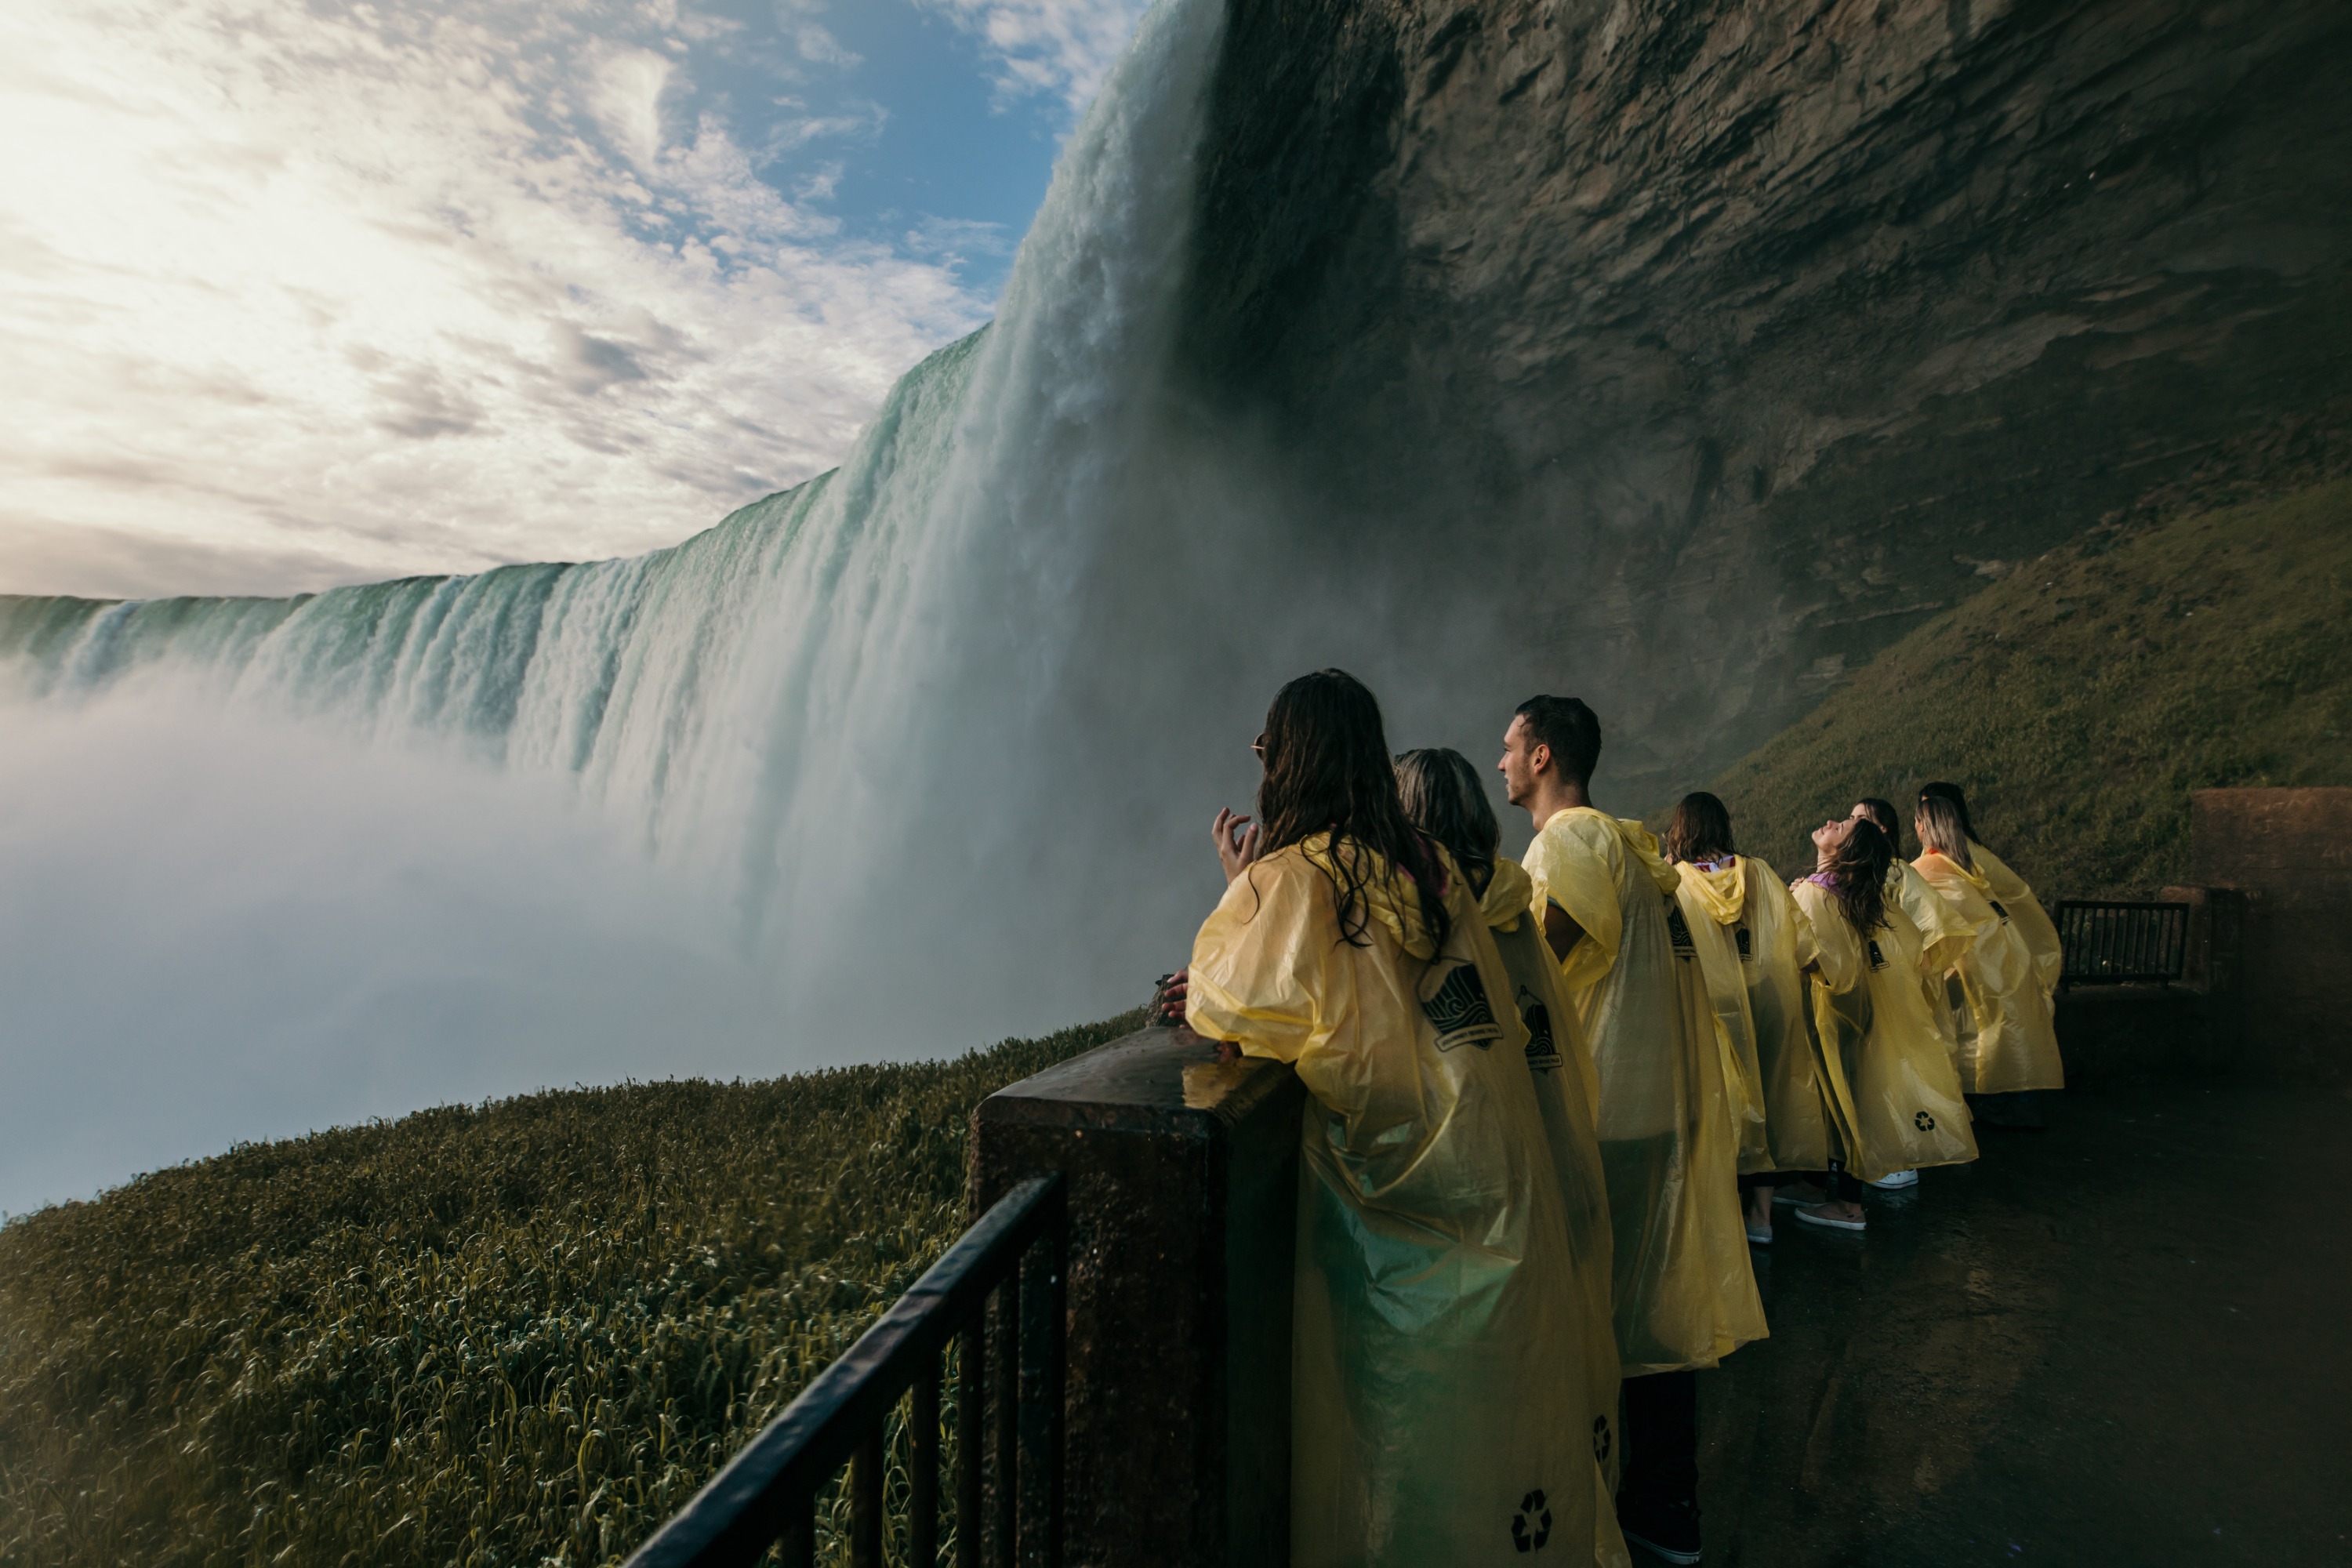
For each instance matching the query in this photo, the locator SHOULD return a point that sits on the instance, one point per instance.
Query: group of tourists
(1539, 1091)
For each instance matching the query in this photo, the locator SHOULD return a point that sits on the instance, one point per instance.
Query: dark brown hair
(1570, 729)
(1701, 829)
(1857, 876)
(1444, 798)
(1882, 811)
(1327, 771)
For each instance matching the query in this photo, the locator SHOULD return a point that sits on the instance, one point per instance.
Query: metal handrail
(2113, 941)
(767, 1494)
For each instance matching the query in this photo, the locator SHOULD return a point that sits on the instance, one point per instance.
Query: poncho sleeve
(2025, 912)
(1945, 934)
(1578, 861)
(1262, 974)
(1835, 947)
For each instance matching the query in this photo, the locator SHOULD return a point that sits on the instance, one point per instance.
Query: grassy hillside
(521, 1333)
(2081, 697)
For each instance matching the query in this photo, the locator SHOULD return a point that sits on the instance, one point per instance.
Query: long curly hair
(1857, 876)
(1327, 771)
(1701, 829)
(1444, 799)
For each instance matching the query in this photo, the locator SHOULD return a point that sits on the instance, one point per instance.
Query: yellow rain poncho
(1944, 941)
(1439, 1364)
(1747, 928)
(1893, 1093)
(1685, 1290)
(1566, 1092)
(2008, 1040)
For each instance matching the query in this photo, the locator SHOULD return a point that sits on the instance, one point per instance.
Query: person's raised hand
(1167, 1001)
(1239, 841)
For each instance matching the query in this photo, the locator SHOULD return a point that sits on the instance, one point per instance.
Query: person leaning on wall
(1438, 1372)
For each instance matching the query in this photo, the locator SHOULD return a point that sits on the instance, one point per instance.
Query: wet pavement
(2126, 1340)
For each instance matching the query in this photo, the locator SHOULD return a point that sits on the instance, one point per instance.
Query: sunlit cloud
(1058, 47)
(290, 296)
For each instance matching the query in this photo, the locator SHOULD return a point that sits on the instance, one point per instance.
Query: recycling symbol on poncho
(1601, 1439)
(1924, 1122)
(1531, 1526)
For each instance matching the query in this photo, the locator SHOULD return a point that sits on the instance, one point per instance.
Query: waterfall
(917, 754)
(824, 718)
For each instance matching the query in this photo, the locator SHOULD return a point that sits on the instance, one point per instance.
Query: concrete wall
(2290, 852)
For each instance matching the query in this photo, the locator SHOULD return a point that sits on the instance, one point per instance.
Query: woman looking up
(1894, 1095)
(1439, 1372)
(1944, 939)
(1748, 932)
(2007, 1043)
(1446, 801)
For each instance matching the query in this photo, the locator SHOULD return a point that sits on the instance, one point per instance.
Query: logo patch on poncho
(1745, 951)
(1460, 1011)
(1543, 1054)
(1679, 929)
(1877, 959)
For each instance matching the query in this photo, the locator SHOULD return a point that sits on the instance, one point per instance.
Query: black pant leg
(1662, 1438)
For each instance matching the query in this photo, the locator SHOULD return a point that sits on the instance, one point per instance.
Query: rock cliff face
(1732, 341)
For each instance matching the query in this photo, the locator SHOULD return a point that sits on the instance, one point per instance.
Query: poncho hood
(1390, 896)
(1723, 892)
(1507, 897)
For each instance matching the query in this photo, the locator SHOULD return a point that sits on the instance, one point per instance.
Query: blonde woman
(2009, 977)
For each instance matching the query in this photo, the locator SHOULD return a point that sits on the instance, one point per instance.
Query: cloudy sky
(297, 294)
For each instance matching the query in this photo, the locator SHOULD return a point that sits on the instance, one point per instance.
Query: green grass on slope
(521, 1333)
(2080, 700)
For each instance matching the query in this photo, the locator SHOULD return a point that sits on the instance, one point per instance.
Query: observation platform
(2121, 1340)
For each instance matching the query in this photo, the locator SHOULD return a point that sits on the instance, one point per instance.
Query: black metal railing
(2111, 943)
(999, 1293)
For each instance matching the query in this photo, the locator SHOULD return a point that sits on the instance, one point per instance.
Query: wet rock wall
(1727, 342)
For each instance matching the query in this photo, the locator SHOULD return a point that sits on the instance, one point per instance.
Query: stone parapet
(1184, 1192)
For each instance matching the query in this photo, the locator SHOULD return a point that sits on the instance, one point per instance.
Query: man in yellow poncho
(1685, 1293)
(1439, 1384)
(1748, 934)
(2009, 977)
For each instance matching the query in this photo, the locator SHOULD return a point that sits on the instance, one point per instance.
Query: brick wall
(2290, 851)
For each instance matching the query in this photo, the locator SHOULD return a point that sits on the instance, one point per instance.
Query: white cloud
(296, 296)
(1051, 47)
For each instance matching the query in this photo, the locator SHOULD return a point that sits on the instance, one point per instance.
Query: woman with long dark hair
(1894, 1095)
(2008, 978)
(1944, 939)
(1746, 928)
(1439, 1371)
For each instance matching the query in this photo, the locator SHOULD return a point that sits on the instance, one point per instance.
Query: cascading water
(912, 756)
(819, 716)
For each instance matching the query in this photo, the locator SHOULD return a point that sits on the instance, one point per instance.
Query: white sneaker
(1895, 1180)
